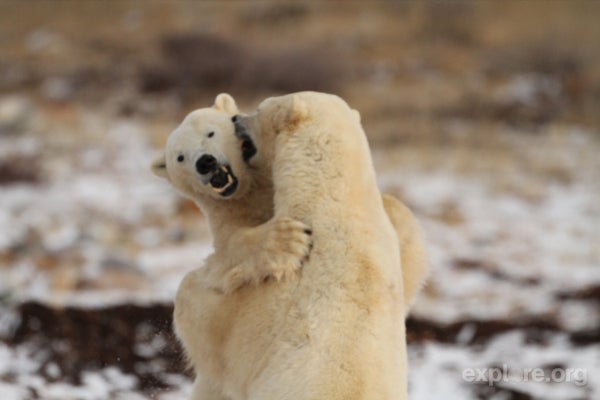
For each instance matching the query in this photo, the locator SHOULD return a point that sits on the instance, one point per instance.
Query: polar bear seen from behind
(348, 305)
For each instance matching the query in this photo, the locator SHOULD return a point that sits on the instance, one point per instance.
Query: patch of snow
(9, 321)
(527, 89)
(514, 362)
(13, 392)
(21, 365)
(552, 244)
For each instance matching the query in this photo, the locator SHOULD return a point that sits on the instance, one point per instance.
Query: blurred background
(484, 117)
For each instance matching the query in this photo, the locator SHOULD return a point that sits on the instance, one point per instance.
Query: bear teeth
(229, 181)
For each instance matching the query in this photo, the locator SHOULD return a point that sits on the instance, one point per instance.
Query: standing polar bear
(235, 339)
(348, 305)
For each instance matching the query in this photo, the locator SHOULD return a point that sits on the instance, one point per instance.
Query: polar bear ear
(298, 111)
(159, 167)
(224, 102)
(356, 115)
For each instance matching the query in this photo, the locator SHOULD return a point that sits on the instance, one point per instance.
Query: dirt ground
(482, 116)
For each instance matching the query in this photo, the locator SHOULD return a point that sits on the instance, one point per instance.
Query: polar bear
(348, 305)
(237, 197)
(205, 161)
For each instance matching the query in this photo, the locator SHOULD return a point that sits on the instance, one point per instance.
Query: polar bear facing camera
(206, 162)
(349, 299)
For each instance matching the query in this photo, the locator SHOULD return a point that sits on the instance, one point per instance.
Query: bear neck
(225, 217)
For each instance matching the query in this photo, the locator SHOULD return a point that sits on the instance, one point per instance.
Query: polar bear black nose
(235, 118)
(206, 164)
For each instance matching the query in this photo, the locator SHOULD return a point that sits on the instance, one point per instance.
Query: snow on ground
(500, 254)
(99, 207)
(505, 243)
(553, 371)
(109, 383)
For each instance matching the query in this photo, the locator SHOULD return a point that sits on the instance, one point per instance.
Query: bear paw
(285, 245)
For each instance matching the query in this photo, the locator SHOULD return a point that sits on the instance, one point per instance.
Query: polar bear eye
(210, 134)
(180, 158)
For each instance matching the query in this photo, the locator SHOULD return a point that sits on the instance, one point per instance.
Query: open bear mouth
(223, 181)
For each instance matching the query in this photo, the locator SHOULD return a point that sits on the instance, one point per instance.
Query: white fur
(337, 330)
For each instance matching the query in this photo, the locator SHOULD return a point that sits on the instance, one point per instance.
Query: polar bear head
(286, 114)
(271, 117)
(203, 156)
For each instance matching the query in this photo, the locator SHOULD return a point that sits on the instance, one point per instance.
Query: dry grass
(192, 64)
(425, 60)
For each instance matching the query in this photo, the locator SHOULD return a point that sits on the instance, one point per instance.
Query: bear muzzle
(220, 177)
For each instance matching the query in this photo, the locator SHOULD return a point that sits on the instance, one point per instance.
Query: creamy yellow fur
(412, 250)
(248, 344)
(349, 302)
